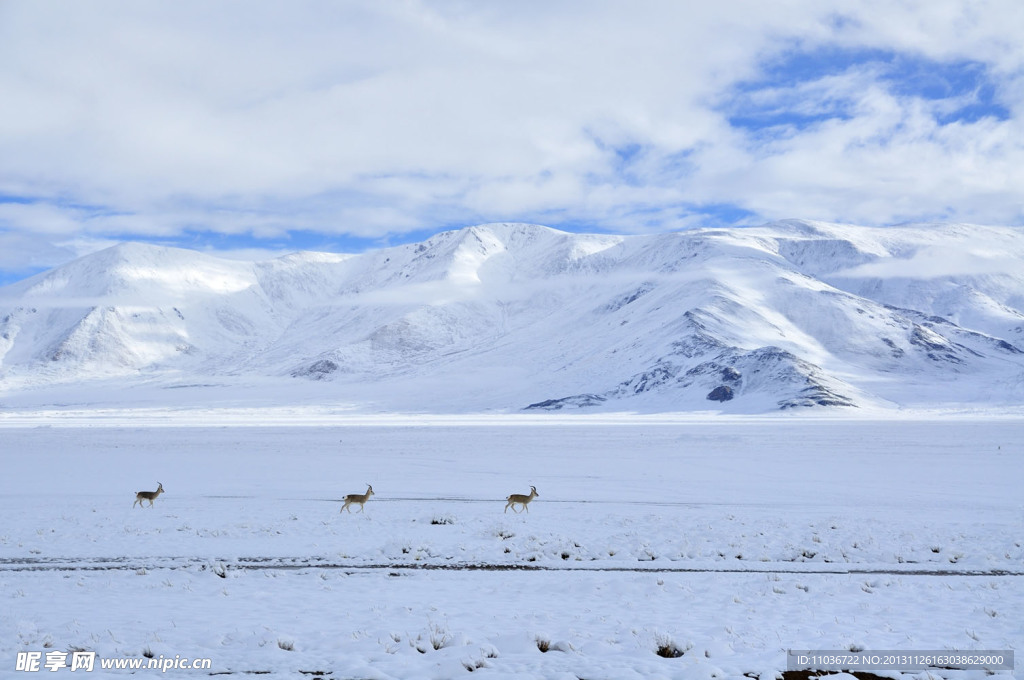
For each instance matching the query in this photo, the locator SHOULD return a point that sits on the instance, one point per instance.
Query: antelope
(148, 495)
(521, 499)
(359, 498)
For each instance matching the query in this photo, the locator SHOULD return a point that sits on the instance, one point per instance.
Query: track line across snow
(298, 563)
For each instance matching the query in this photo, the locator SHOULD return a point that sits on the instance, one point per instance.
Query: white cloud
(937, 262)
(373, 118)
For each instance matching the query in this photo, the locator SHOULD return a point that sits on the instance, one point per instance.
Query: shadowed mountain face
(509, 316)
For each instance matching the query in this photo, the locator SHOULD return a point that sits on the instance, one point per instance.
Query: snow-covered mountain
(513, 316)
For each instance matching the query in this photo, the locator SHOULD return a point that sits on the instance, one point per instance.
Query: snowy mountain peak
(139, 270)
(511, 316)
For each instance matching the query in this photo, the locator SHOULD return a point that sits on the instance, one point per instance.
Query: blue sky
(250, 130)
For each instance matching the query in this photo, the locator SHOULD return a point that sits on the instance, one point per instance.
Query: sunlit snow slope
(513, 316)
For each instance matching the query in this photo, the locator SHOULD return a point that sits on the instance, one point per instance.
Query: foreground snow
(730, 540)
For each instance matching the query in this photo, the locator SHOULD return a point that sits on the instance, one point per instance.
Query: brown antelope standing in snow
(521, 499)
(359, 498)
(148, 495)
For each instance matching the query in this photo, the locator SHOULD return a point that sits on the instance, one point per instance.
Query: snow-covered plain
(731, 539)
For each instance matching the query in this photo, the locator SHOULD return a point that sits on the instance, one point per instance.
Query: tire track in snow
(66, 564)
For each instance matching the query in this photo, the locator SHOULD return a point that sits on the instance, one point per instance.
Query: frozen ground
(731, 539)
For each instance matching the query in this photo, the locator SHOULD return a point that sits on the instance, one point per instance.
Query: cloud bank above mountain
(334, 126)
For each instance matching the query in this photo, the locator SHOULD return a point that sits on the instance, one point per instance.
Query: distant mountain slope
(514, 316)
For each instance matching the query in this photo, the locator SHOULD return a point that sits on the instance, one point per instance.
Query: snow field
(729, 540)
(386, 624)
(556, 534)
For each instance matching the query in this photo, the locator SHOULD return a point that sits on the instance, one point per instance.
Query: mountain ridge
(515, 316)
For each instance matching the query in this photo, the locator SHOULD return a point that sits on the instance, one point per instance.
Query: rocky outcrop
(720, 393)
